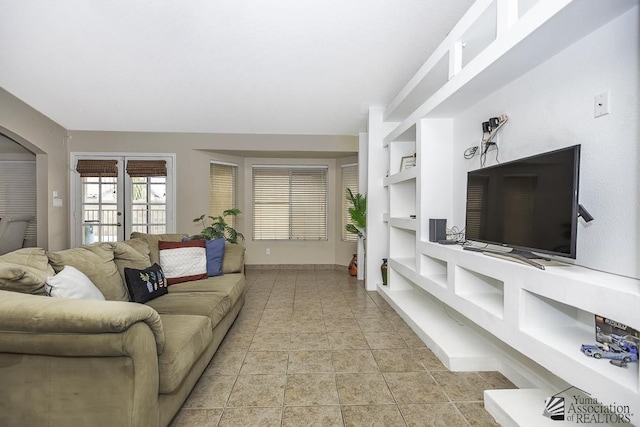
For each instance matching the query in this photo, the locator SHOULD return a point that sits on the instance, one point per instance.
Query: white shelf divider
(405, 223)
(458, 347)
(405, 175)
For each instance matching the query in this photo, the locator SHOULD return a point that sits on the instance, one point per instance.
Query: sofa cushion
(215, 307)
(96, 261)
(231, 285)
(152, 241)
(132, 253)
(233, 261)
(186, 338)
(72, 283)
(145, 285)
(25, 271)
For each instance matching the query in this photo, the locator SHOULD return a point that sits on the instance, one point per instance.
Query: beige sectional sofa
(67, 362)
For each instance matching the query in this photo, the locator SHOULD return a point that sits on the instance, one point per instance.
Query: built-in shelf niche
(479, 35)
(565, 328)
(483, 291)
(397, 281)
(432, 80)
(434, 269)
(525, 6)
(400, 149)
(402, 243)
(402, 199)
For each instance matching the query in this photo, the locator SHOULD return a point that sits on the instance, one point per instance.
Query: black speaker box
(437, 229)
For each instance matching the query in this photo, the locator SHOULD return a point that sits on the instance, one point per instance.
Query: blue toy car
(600, 353)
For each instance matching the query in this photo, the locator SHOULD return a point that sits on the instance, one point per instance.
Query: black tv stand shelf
(526, 257)
(517, 256)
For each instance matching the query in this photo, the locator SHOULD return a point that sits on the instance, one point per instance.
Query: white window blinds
(349, 180)
(289, 203)
(222, 189)
(18, 193)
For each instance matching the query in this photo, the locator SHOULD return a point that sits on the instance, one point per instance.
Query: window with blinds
(222, 189)
(349, 180)
(18, 193)
(289, 203)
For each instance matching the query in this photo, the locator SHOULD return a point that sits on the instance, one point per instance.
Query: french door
(116, 195)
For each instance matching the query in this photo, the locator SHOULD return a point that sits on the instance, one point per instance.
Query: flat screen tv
(530, 204)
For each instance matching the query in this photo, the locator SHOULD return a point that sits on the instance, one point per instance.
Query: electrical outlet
(601, 104)
(268, 251)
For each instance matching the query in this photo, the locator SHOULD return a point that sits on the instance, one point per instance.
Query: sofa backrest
(153, 239)
(233, 261)
(25, 270)
(97, 262)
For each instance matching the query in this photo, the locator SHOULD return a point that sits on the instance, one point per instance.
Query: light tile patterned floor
(313, 348)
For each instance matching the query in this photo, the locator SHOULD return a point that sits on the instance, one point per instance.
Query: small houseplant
(218, 227)
(358, 224)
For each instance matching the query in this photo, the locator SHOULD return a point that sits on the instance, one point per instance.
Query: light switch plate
(601, 104)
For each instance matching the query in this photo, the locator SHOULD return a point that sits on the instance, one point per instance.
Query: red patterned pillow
(183, 261)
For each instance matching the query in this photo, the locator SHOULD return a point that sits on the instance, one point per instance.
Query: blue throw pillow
(215, 255)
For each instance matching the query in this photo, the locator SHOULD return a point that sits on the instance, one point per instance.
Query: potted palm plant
(358, 214)
(218, 227)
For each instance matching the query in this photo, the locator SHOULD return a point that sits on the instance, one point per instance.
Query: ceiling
(221, 66)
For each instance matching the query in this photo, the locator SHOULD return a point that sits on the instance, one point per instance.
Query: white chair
(12, 230)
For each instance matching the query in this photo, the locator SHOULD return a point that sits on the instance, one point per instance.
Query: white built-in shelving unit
(478, 312)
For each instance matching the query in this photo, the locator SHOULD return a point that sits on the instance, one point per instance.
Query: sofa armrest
(45, 325)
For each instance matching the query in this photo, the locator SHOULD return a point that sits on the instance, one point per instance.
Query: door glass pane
(108, 233)
(138, 190)
(90, 190)
(99, 210)
(139, 214)
(139, 228)
(158, 193)
(109, 190)
(148, 197)
(157, 229)
(158, 214)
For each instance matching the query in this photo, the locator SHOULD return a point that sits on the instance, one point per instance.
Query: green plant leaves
(218, 227)
(358, 213)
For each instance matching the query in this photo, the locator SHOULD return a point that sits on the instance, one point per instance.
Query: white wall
(552, 107)
(47, 140)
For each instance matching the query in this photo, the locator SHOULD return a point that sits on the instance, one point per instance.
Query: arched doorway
(18, 184)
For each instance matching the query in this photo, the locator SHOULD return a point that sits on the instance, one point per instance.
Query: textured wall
(551, 107)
